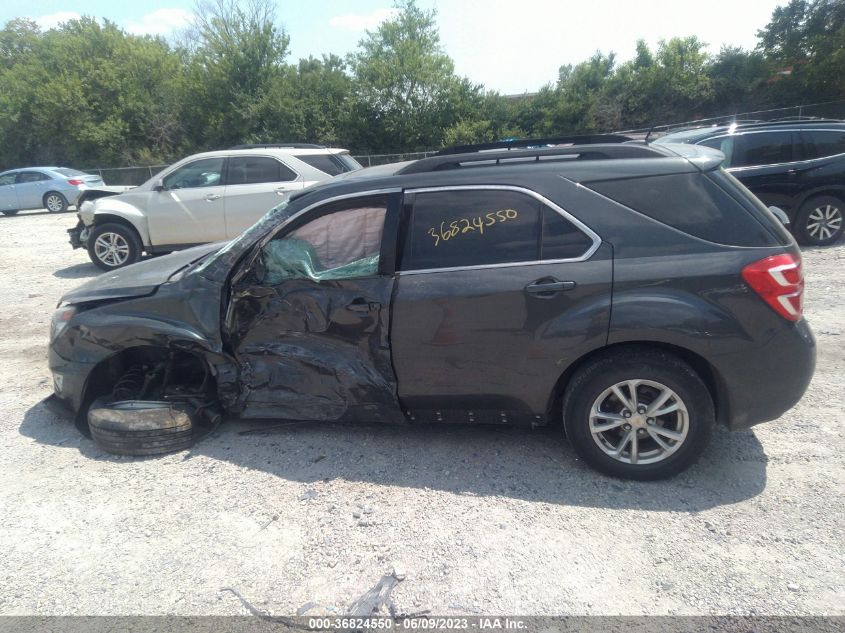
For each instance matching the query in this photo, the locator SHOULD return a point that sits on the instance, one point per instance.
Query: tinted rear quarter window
(825, 142)
(691, 203)
(324, 162)
(724, 144)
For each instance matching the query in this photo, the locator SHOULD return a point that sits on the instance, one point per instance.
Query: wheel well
(704, 369)
(839, 194)
(108, 218)
(108, 372)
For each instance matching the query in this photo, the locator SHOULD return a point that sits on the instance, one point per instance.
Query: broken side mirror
(780, 214)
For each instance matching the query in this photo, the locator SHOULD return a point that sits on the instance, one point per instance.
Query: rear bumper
(761, 386)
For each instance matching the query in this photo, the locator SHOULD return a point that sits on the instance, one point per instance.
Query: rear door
(499, 291)
(31, 187)
(189, 210)
(254, 185)
(770, 164)
(8, 193)
(308, 319)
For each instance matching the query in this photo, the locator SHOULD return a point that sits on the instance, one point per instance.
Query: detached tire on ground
(54, 202)
(136, 427)
(820, 221)
(638, 414)
(112, 246)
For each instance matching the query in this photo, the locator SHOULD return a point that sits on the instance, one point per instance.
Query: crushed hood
(139, 279)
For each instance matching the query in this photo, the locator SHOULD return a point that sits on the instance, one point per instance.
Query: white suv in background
(206, 197)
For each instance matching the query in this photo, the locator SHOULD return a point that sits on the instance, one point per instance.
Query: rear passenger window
(482, 227)
(691, 203)
(826, 143)
(763, 148)
(246, 170)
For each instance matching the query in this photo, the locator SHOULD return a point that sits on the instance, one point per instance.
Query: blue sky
(512, 46)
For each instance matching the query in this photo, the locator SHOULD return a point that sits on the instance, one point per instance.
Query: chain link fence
(369, 160)
(825, 110)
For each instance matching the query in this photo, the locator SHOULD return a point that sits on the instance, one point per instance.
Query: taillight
(779, 280)
(75, 181)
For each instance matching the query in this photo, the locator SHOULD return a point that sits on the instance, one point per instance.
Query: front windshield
(233, 249)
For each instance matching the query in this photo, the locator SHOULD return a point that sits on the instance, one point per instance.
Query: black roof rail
(278, 145)
(804, 119)
(522, 143)
(710, 126)
(441, 162)
(753, 125)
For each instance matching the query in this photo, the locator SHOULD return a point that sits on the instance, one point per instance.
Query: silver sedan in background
(51, 188)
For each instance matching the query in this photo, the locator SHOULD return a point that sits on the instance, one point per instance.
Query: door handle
(363, 307)
(212, 197)
(282, 190)
(549, 287)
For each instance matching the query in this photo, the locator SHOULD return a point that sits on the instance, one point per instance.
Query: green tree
(407, 92)
(805, 41)
(88, 92)
(18, 40)
(237, 52)
(739, 80)
(662, 87)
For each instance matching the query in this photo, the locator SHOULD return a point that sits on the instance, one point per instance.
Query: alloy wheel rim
(639, 422)
(111, 249)
(54, 203)
(824, 222)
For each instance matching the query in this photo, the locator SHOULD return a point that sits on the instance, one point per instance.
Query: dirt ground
(480, 520)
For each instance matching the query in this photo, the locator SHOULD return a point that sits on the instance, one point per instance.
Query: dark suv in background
(636, 293)
(798, 166)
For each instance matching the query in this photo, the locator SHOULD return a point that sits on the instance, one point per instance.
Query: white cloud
(159, 22)
(53, 20)
(357, 22)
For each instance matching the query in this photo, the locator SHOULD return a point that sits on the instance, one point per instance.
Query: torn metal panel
(315, 351)
(184, 315)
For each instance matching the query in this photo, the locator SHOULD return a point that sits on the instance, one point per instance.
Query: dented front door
(310, 326)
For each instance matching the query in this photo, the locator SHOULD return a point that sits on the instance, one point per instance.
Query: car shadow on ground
(520, 463)
(77, 271)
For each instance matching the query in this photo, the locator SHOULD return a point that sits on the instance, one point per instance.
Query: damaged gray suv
(635, 295)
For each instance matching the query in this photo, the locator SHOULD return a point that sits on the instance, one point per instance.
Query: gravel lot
(481, 520)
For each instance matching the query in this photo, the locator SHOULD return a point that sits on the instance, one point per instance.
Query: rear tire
(647, 450)
(112, 246)
(55, 202)
(820, 221)
(140, 428)
(12, 212)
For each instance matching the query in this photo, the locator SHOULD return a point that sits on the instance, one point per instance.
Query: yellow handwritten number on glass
(478, 223)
